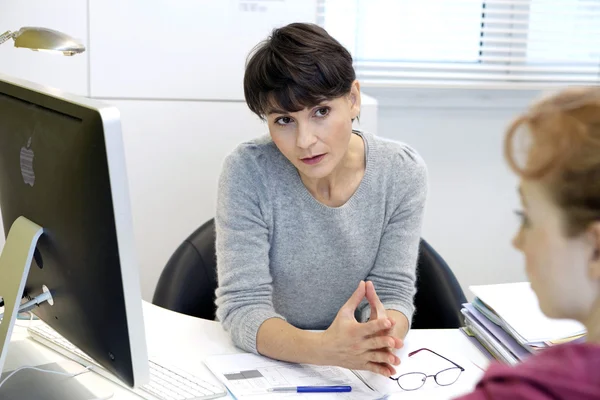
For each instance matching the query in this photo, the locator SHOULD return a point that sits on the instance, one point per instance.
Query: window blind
(527, 44)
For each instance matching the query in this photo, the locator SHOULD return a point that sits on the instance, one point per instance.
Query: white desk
(185, 341)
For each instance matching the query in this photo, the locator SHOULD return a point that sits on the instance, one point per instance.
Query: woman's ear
(594, 264)
(355, 99)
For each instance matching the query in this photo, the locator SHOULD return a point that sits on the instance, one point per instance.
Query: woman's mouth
(313, 160)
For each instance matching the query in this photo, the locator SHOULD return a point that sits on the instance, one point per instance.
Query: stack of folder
(507, 322)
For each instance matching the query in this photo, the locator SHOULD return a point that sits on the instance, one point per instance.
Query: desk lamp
(44, 39)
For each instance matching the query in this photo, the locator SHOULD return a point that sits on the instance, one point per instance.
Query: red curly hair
(560, 147)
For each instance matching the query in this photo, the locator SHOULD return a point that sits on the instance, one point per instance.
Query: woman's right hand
(350, 344)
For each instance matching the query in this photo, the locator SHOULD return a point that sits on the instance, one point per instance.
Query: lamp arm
(6, 36)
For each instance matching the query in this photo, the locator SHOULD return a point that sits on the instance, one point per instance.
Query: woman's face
(557, 266)
(316, 139)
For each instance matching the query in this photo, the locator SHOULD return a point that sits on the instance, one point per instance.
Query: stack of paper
(507, 321)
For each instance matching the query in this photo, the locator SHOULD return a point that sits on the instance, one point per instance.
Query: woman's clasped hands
(366, 346)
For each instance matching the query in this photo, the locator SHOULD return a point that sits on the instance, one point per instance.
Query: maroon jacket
(569, 371)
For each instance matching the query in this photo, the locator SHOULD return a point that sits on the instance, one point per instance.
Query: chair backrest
(439, 296)
(188, 282)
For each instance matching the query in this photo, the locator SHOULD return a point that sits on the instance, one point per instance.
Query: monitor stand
(15, 261)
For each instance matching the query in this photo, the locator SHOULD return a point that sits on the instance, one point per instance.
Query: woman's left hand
(400, 327)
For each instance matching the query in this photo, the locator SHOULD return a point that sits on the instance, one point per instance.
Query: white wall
(469, 215)
(178, 88)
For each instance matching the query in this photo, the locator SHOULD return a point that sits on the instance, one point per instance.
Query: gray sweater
(283, 254)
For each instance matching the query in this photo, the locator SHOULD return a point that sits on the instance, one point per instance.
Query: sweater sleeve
(394, 271)
(245, 286)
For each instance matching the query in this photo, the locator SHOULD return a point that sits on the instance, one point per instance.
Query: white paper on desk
(248, 376)
(429, 364)
(518, 306)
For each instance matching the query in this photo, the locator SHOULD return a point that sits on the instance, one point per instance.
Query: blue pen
(312, 389)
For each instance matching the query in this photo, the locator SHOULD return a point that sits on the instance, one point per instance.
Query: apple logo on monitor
(27, 164)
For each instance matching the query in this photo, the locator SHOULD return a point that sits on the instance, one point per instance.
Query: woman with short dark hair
(318, 225)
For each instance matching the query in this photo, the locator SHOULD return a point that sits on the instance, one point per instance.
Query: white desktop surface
(185, 341)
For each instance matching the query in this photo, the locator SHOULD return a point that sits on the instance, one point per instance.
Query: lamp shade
(35, 38)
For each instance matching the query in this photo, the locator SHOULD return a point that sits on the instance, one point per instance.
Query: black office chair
(439, 296)
(188, 282)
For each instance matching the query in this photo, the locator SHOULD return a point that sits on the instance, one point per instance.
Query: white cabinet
(184, 49)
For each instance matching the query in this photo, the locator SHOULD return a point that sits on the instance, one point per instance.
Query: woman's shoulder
(396, 163)
(251, 156)
(393, 151)
(568, 371)
(570, 359)
(253, 149)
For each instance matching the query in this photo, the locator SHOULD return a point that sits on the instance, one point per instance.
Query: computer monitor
(62, 167)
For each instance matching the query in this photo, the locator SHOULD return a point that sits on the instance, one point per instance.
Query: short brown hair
(563, 152)
(298, 66)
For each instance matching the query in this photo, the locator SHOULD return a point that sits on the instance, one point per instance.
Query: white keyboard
(166, 381)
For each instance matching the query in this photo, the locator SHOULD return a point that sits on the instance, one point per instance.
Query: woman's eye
(523, 217)
(283, 121)
(321, 112)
